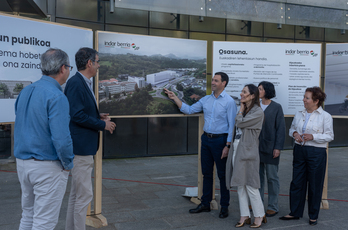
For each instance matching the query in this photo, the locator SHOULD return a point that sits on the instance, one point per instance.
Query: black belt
(211, 135)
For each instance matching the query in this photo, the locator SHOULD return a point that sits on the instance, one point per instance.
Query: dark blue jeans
(211, 151)
(309, 166)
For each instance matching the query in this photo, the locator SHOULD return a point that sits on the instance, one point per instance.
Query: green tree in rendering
(149, 87)
(18, 88)
(179, 87)
(4, 89)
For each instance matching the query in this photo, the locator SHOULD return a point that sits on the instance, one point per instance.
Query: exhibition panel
(20, 51)
(291, 67)
(135, 69)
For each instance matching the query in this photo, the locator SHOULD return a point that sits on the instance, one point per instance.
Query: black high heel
(313, 222)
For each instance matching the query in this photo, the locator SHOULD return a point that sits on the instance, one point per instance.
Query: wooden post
(324, 201)
(197, 200)
(213, 204)
(13, 159)
(95, 218)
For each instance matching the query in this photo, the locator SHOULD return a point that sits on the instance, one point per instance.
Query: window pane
(168, 33)
(90, 25)
(207, 24)
(127, 17)
(311, 33)
(238, 38)
(80, 9)
(335, 35)
(242, 27)
(168, 21)
(272, 30)
(126, 29)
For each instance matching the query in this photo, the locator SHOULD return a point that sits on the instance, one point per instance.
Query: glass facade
(179, 135)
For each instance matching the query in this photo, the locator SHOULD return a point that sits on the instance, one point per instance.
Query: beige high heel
(264, 220)
(246, 221)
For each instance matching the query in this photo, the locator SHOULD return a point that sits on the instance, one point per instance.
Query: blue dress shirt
(219, 113)
(42, 123)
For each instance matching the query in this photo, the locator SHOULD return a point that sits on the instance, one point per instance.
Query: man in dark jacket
(85, 124)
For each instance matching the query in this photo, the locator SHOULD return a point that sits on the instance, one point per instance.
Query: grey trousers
(43, 185)
(272, 179)
(81, 193)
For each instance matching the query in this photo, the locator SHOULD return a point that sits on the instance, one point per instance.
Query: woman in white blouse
(312, 129)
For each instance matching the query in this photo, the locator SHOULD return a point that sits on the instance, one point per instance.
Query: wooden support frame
(94, 217)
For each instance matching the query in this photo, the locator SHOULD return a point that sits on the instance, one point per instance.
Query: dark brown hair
(317, 94)
(253, 90)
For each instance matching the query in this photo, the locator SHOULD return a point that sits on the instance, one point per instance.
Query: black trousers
(309, 165)
(211, 152)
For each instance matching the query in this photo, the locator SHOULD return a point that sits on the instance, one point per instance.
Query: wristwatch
(228, 146)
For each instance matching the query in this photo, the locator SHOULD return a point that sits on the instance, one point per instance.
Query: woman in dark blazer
(271, 141)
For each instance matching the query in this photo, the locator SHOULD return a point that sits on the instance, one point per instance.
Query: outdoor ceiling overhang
(313, 13)
(37, 7)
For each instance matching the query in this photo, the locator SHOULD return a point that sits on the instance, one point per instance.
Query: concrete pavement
(145, 193)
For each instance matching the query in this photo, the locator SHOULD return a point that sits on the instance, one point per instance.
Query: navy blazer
(85, 122)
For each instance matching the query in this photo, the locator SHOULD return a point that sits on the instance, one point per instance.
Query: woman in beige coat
(246, 160)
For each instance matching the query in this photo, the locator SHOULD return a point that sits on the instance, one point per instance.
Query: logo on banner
(121, 45)
(301, 52)
(313, 54)
(222, 51)
(340, 53)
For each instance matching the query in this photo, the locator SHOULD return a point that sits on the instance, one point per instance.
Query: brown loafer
(270, 213)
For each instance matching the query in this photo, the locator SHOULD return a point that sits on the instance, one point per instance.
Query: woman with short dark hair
(312, 130)
(271, 139)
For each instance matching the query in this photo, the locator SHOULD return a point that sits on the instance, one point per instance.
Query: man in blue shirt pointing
(219, 117)
(42, 143)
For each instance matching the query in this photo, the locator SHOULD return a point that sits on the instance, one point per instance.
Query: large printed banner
(22, 42)
(134, 69)
(336, 80)
(290, 67)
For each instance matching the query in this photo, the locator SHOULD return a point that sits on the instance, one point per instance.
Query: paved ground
(145, 193)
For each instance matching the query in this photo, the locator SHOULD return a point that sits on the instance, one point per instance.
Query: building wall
(150, 131)
(157, 78)
(139, 80)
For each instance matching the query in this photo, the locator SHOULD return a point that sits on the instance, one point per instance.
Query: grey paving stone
(122, 207)
(136, 197)
(146, 188)
(115, 192)
(133, 204)
(109, 200)
(118, 217)
(155, 213)
(144, 224)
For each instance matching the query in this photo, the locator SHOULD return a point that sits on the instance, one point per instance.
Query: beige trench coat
(247, 159)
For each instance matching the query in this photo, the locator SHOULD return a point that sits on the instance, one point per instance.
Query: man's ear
(62, 68)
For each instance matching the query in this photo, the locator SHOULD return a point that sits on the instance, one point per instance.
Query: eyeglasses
(71, 67)
(95, 60)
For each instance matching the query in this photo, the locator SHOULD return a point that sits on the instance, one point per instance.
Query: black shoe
(200, 208)
(313, 222)
(289, 218)
(223, 213)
